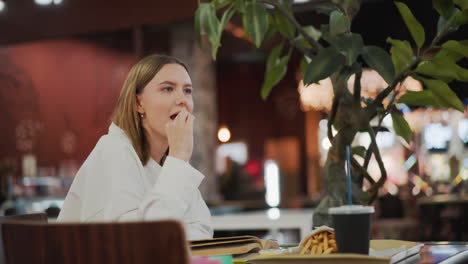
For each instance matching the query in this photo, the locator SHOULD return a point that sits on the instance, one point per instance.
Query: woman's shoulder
(114, 147)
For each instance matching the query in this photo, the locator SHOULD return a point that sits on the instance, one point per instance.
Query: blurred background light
(224, 134)
(272, 184)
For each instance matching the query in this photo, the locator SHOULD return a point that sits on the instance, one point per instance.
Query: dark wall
(253, 120)
(56, 98)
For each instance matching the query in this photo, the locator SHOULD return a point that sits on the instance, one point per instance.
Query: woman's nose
(181, 100)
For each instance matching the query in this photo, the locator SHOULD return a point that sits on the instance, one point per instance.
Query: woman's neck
(157, 145)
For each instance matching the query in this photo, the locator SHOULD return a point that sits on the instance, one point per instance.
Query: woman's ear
(140, 107)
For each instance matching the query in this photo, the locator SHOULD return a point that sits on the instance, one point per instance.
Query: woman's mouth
(173, 116)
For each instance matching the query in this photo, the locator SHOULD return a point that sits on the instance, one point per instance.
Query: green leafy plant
(334, 51)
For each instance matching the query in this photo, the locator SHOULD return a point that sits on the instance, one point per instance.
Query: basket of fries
(320, 241)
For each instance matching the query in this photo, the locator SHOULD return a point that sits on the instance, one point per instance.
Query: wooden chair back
(95, 243)
(36, 217)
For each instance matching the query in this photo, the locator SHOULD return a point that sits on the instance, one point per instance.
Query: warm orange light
(319, 96)
(224, 134)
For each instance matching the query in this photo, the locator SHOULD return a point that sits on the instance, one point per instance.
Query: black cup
(352, 225)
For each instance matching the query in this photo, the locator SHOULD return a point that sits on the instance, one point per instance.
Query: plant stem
(362, 170)
(383, 172)
(379, 99)
(315, 45)
(333, 111)
(301, 49)
(357, 88)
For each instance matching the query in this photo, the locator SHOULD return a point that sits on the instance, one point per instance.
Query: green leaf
(462, 74)
(461, 18)
(423, 98)
(224, 20)
(209, 23)
(440, 25)
(415, 28)
(200, 18)
(303, 65)
(443, 94)
(284, 26)
(401, 127)
(358, 150)
(197, 27)
(350, 45)
(311, 32)
(339, 23)
(328, 61)
(463, 4)
(240, 6)
(457, 46)
(402, 54)
(273, 58)
(443, 68)
(325, 8)
(448, 54)
(273, 76)
(220, 3)
(379, 60)
(302, 42)
(444, 7)
(271, 32)
(446, 26)
(355, 49)
(255, 21)
(437, 69)
(325, 29)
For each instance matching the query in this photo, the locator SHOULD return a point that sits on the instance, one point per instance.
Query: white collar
(117, 131)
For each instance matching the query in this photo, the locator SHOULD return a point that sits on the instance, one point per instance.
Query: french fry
(304, 249)
(313, 250)
(321, 243)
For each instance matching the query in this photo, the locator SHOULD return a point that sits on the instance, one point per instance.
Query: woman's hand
(180, 135)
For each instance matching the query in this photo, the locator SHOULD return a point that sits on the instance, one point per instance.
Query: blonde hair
(125, 114)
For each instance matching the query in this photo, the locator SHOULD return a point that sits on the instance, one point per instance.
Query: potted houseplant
(333, 51)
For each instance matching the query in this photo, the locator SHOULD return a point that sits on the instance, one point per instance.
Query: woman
(140, 169)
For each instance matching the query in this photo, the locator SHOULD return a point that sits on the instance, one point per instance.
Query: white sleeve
(175, 195)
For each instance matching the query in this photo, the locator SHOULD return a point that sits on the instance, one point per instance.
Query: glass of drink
(352, 225)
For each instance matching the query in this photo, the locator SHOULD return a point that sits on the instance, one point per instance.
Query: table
(272, 220)
(441, 252)
(444, 217)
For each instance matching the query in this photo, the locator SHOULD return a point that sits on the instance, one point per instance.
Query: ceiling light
(2, 6)
(43, 2)
(58, 2)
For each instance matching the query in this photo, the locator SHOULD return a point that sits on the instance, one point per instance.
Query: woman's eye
(167, 89)
(188, 91)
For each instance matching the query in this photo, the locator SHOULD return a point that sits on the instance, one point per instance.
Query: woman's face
(164, 97)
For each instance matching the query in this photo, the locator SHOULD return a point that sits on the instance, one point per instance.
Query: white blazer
(113, 185)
